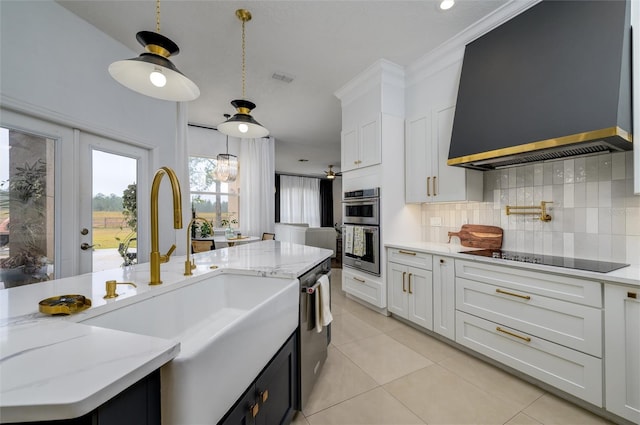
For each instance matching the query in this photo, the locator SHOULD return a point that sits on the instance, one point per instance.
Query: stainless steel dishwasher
(312, 348)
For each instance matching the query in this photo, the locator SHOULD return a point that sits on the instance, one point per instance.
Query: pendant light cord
(243, 60)
(158, 16)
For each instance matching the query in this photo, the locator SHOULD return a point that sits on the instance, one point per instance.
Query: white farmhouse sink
(229, 326)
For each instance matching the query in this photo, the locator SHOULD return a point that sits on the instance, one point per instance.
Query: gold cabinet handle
(359, 280)
(264, 396)
(500, 291)
(428, 183)
(254, 409)
(434, 186)
(410, 291)
(524, 338)
(632, 295)
(403, 288)
(406, 252)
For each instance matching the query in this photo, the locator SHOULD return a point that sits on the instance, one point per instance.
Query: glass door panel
(27, 183)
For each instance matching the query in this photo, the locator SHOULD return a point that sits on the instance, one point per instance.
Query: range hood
(553, 82)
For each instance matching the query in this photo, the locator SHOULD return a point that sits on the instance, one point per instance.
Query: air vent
(282, 77)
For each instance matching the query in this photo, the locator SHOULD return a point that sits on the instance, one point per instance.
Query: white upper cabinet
(367, 102)
(361, 144)
(428, 178)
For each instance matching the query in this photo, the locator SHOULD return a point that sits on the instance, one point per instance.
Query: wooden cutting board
(479, 236)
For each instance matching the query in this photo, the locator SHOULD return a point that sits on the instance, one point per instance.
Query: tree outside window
(210, 199)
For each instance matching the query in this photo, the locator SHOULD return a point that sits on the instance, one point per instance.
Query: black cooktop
(549, 260)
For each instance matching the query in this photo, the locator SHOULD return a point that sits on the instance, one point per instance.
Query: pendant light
(242, 123)
(152, 73)
(226, 165)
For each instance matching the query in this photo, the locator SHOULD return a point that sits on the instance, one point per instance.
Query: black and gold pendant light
(242, 123)
(152, 73)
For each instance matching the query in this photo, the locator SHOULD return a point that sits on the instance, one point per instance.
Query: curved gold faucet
(155, 257)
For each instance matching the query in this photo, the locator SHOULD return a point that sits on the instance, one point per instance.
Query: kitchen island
(58, 368)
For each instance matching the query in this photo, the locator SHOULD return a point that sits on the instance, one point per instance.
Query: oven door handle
(312, 289)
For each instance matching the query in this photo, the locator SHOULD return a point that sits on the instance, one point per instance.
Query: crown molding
(382, 72)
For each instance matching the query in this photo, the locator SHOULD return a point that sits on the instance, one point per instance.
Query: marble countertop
(56, 368)
(629, 275)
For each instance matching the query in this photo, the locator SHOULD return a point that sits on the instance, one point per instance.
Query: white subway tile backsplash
(595, 214)
(568, 171)
(618, 164)
(592, 194)
(592, 220)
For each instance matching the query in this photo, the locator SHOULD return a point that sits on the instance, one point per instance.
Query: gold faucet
(155, 257)
(188, 264)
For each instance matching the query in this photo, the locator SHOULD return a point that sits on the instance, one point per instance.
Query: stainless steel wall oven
(361, 230)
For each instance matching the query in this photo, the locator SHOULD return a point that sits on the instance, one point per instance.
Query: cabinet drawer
(573, 325)
(576, 373)
(410, 257)
(553, 286)
(365, 288)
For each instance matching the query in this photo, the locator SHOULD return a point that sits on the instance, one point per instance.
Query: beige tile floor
(381, 371)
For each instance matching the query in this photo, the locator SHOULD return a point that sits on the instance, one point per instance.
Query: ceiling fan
(330, 174)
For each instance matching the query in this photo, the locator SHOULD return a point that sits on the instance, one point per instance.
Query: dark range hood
(553, 82)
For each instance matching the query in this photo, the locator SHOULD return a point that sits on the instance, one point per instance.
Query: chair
(202, 246)
(268, 236)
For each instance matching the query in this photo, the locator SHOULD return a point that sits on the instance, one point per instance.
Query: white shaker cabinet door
(622, 351)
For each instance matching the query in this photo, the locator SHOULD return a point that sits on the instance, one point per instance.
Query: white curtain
(300, 200)
(257, 186)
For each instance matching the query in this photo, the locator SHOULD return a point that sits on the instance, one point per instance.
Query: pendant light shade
(242, 123)
(152, 73)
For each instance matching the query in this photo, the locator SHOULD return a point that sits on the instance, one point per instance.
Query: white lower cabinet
(410, 288)
(622, 351)
(444, 300)
(547, 326)
(566, 369)
(365, 287)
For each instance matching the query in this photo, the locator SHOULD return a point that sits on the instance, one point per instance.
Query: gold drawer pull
(410, 291)
(428, 183)
(524, 338)
(406, 252)
(254, 410)
(359, 280)
(434, 186)
(264, 395)
(403, 287)
(500, 291)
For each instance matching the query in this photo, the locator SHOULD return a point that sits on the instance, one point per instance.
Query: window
(300, 200)
(211, 199)
(26, 208)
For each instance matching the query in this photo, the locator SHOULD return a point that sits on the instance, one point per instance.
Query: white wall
(209, 143)
(53, 66)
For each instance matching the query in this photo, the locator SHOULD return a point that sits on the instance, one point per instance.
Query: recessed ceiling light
(447, 4)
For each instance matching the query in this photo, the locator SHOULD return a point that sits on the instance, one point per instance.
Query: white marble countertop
(54, 368)
(629, 275)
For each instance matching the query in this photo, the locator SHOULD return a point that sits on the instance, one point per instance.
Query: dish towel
(348, 239)
(323, 300)
(358, 241)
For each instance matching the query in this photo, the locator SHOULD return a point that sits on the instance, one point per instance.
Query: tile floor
(381, 371)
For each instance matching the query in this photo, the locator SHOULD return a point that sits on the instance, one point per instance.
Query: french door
(113, 180)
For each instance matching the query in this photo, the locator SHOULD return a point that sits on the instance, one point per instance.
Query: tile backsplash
(595, 214)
